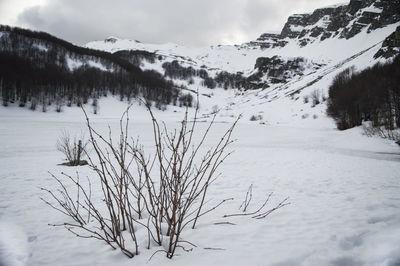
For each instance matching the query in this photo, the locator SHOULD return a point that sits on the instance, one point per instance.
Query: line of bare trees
(370, 95)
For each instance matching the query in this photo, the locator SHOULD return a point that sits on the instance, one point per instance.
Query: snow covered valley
(343, 188)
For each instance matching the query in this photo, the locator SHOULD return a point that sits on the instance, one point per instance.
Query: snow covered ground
(343, 188)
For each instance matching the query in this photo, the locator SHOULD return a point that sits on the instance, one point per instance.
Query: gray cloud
(193, 23)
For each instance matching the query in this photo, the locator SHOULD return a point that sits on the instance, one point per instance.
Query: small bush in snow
(34, 103)
(72, 148)
(304, 116)
(95, 106)
(214, 109)
(316, 98)
(59, 104)
(370, 130)
(256, 117)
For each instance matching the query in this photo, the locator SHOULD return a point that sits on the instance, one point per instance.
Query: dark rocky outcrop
(344, 21)
(390, 46)
(269, 40)
(278, 70)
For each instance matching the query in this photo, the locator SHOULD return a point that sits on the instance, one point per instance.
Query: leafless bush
(34, 103)
(316, 98)
(215, 109)
(260, 212)
(72, 148)
(95, 105)
(59, 104)
(256, 117)
(164, 193)
(369, 130)
(151, 198)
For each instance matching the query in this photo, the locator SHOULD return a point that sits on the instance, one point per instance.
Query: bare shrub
(34, 103)
(316, 98)
(72, 148)
(44, 107)
(147, 198)
(59, 104)
(256, 117)
(95, 106)
(215, 109)
(261, 212)
(164, 193)
(369, 130)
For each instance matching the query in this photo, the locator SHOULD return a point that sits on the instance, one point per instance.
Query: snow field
(343, 189)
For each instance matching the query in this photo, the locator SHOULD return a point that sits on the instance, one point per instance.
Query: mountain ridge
(277, 77)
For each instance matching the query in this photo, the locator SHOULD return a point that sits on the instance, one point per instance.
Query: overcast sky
(186, 22)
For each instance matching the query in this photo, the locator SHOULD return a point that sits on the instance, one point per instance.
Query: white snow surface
(40, 47)
(322, 23)
(335, 5)
(343, 189)
(74, 63)
(372, 9)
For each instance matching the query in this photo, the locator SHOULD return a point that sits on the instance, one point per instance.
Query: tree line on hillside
(222, 79)
(17, 36)
(37, 68)
(369, 95)
(136, 57)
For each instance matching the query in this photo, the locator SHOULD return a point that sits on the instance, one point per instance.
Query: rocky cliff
(342, 21)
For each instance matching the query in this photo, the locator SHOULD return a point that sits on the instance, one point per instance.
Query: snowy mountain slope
(286, 69)
(242, 58)
(45, 47)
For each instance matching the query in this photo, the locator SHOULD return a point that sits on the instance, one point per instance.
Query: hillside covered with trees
(37, 68)
(370, 95)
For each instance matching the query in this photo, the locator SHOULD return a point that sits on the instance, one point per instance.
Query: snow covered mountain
(283, 75)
